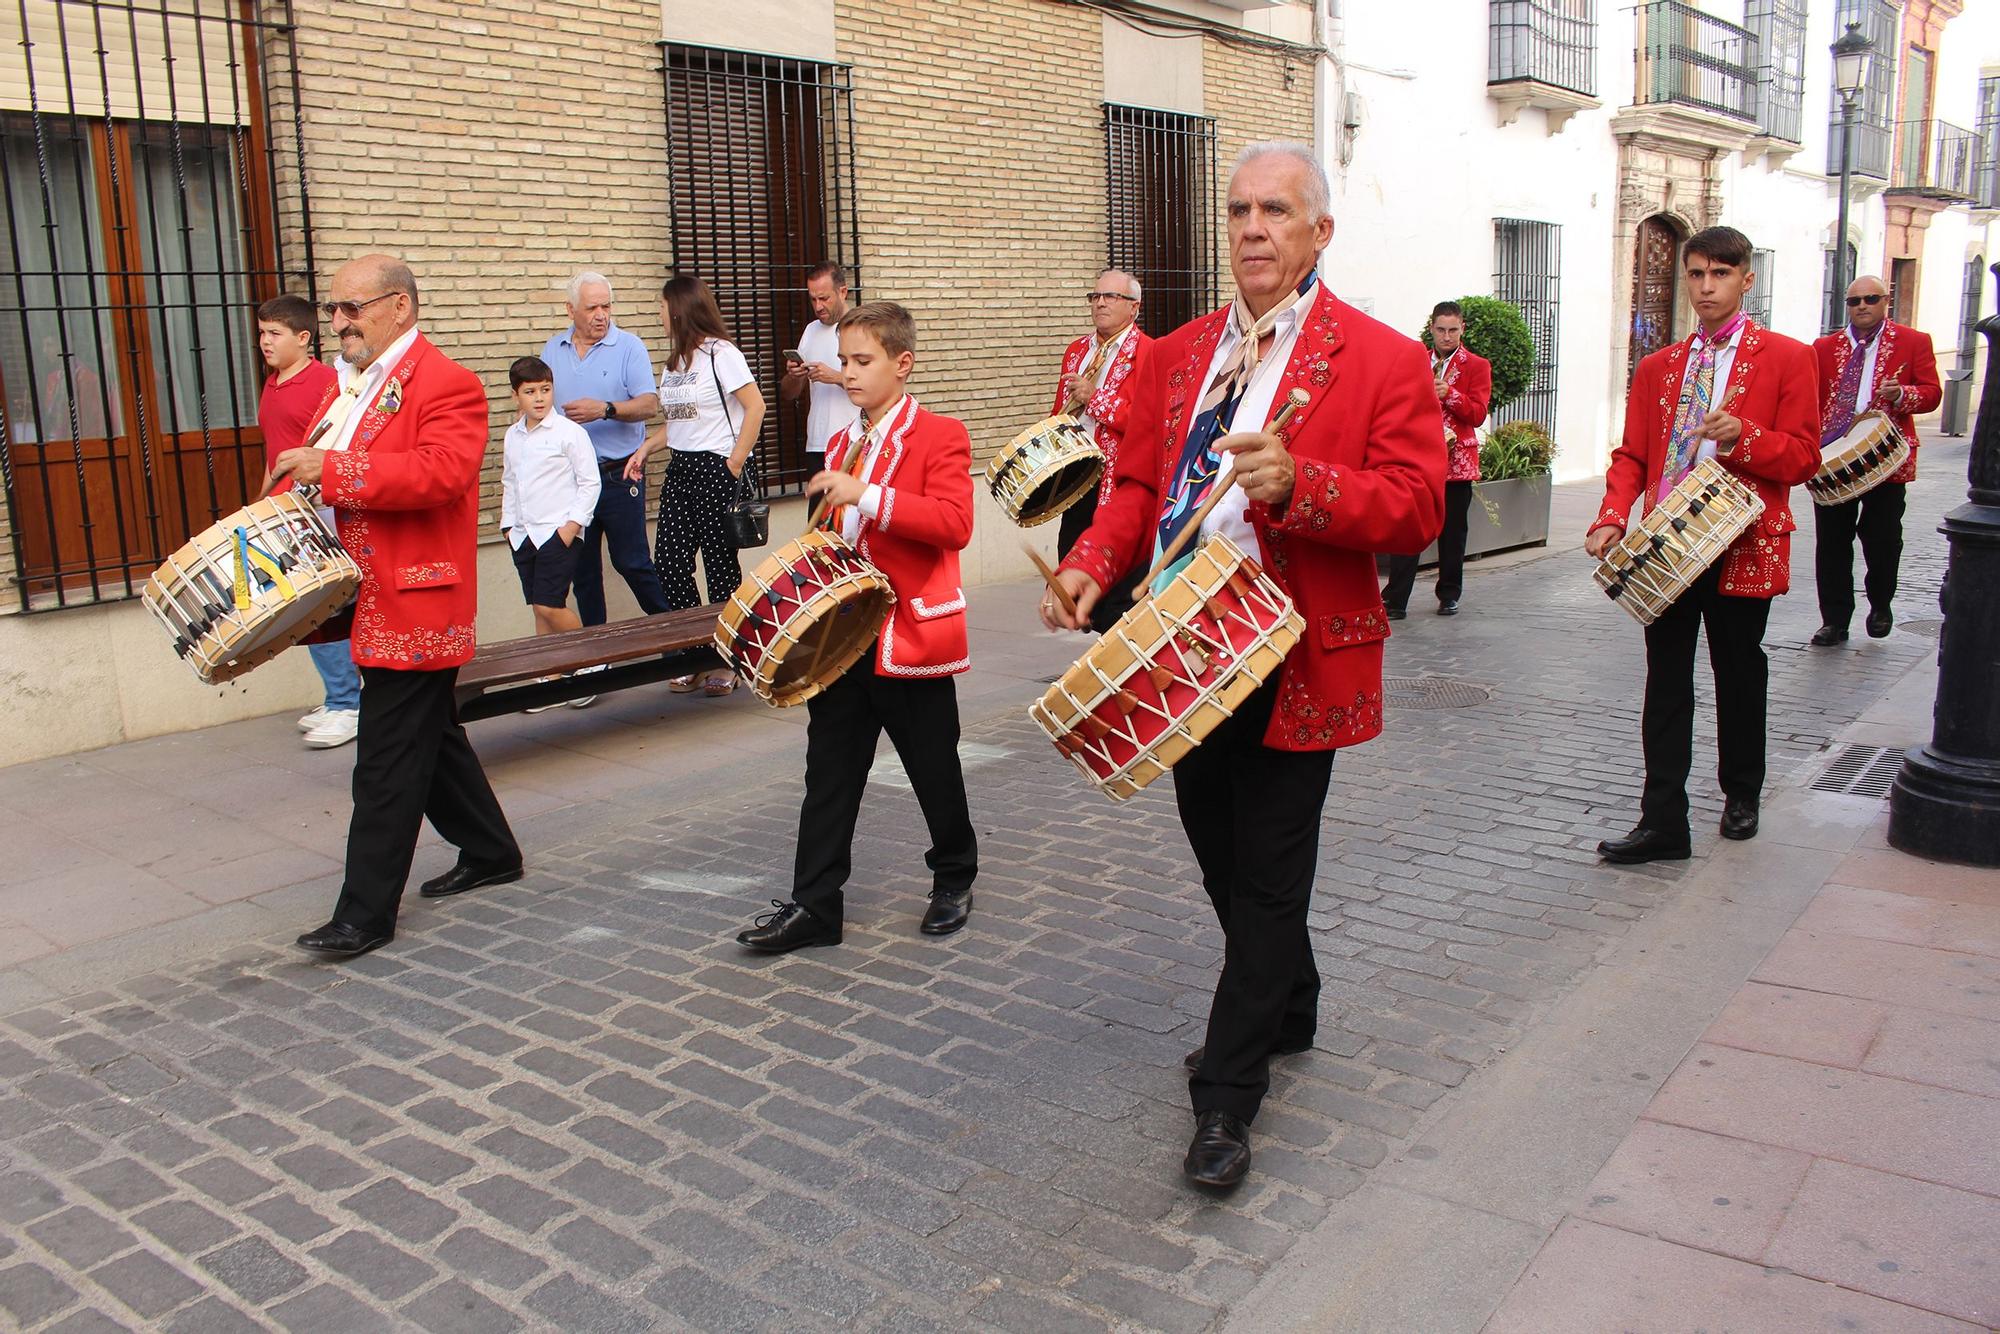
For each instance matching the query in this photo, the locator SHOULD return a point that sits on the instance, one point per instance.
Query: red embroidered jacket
(405, 495)
(1370, 477)
(1908, 354)
(925, 519)
(1468, 389)
(1778, 450)
(1111, 405)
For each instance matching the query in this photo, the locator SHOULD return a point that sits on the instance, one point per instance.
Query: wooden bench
(508, 676)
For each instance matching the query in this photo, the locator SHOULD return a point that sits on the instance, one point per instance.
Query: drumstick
(1062, 596)
(1297, 399)
(852, 467)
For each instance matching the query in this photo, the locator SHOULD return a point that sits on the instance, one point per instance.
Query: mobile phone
(792, 356)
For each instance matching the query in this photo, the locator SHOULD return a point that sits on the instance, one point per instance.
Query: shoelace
(785, 912)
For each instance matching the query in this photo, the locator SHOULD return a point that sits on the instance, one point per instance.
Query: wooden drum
(1646, 570)
(1044, 470)
(1867, 456)
(806, 613)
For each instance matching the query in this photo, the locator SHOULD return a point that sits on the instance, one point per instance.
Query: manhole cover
(1861, 771)
(1928, 629)
(1433, 692)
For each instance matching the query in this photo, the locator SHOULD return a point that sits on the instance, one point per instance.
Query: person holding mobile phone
(814, 369)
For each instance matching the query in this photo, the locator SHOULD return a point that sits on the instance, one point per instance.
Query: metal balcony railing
(1937, 160)
(1543, 41)
(1689, 58)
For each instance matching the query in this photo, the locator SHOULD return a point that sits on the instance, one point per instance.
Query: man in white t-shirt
(818, 365)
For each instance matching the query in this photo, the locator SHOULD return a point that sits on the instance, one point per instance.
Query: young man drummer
(1744, 396)
(898, 484)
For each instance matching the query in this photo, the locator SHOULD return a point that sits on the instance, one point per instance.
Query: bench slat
(542, 655)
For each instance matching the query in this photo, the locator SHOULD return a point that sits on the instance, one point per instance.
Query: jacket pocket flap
(431, 574)
(1345, 629)
(925, 610)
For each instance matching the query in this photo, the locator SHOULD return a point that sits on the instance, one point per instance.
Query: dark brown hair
(294, 312)
(894, 328)
(695, 318)
(1724, 245)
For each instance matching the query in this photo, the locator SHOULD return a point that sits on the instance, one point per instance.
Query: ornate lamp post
(1852, 54)
(1946, 801)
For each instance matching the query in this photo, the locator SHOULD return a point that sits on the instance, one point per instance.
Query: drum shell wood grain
(1713, 508)
(816, 579)
(1861, 460)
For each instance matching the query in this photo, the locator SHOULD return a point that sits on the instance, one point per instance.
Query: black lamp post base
(1946, 808)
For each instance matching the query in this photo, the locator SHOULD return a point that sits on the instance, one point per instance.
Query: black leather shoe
(465, 876)
(1739, 818)
(1219, 1154)
(1395, 613)
(1828, 635)
(789, 928)
(342, 941)
(948, 912)
(1448, 607)
(1286, 1047)
(1645, 845)
(1879, 623)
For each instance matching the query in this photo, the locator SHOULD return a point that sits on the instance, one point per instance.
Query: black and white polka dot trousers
(697, 489)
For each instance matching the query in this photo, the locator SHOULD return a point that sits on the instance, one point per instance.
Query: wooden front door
(1653, 275)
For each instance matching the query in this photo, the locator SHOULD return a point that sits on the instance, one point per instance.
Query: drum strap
(249, 556)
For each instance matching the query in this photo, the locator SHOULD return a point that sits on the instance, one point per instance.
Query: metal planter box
(1505, 515)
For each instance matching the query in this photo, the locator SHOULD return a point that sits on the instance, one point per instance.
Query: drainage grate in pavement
(1433, 692)
(1861, 771)
(1928, 629)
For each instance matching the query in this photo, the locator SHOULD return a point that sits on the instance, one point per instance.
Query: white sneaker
(339, 727)
(585, 701)
(544, 708)
(313, 719)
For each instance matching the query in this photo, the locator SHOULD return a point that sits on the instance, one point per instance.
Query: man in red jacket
(1096, 388)
(396, 453)
(1874, 363)
(1357, 470)
(1464, 381)
(1742, 395)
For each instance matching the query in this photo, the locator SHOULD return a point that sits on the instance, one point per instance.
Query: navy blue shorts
(546, 570)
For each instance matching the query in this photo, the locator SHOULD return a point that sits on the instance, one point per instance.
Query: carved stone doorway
(1655, 275)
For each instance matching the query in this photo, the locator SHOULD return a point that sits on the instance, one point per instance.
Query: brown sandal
(722, 683)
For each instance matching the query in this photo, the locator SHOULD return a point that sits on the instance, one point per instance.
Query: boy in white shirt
(548, 493)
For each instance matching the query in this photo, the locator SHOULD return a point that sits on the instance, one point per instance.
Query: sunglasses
(1854, 301)
(1108, 296)
(352, 309)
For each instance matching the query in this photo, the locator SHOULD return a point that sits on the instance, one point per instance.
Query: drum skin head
(1044, 470)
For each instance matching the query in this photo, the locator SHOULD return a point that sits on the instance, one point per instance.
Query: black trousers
(620, 524)
(1117, 600)
(1252, 816)
(844, 721)
(1877, 518)
(1451, 554)
(412, 761)
(697, 489)
(1742, 672)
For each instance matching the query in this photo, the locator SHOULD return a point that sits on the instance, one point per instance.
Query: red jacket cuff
(1095, 559)
(1315, 492)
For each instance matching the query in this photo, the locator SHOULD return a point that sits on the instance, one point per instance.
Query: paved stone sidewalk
(571, 1103)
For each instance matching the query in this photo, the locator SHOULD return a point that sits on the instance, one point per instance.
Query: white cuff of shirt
(870, 503)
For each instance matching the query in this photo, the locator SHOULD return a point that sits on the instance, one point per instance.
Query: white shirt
(828, 406)
(1084, 419)
(548, 478)
(870, 504)
(1864, 393)
(364, 387)
(1230, 517)
(699, 419)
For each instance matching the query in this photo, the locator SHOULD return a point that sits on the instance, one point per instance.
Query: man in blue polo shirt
(604, 383)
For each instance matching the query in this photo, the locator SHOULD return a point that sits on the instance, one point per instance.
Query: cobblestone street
(574, 1103)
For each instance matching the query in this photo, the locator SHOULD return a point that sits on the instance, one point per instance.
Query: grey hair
(1319, 193)
(1138, 292)
(578, 283)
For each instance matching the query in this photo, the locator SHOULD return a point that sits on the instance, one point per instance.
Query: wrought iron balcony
(1551, 42)
(1938, 161)
(1691, 59)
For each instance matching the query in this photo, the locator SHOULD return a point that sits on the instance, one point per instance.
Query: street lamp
(1852, 54)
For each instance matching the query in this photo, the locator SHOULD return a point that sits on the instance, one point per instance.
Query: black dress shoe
(342, 941)
(789, 928)
(1219, 1154)
(1645, 845)
(1448, 607)
(1286, 1047)
(948, 911)
(1879, 623)
(465, 876)
(1739, 818)
(1395, 613)
(1828, 635)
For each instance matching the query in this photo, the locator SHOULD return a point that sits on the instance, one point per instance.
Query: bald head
(382, 292)
(1867, 302)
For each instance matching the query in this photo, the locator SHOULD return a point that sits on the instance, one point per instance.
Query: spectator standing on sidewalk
(815, 370)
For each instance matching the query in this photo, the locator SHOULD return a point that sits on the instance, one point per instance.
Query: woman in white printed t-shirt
(713, 412)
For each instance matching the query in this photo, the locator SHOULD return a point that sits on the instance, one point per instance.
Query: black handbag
(746, 521)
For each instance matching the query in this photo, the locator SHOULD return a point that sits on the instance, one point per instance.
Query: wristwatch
(610, 411)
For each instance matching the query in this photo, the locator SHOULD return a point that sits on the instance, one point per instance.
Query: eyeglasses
(1874, 300)
(351, 309)
(1094, 297)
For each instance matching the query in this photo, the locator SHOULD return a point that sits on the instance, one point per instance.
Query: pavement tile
(1900, 873)
(1930, 979)
(1938, 1049)
(1809, 1025)
(1875, 914)
(1706, 1191)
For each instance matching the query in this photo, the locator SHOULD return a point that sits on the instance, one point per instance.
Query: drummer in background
(1694, 400)
(399, 463)
(1093, 388)
(1874, 364)
(1363, 474)
(898, 484)
(1464, 386)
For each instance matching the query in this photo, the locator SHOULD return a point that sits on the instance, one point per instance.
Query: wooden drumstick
(1062, 596)
(1297, 399)
(852, 468)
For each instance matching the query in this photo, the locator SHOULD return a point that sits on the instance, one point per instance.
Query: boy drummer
(898, 484)
(1746, 397)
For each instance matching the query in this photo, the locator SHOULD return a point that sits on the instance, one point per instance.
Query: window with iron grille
(1875, 106)
(1757, 301)
(1544, 41)
(140, 225)
(1780, 26)
(1833, 305)
(760, 169)
(1968, 311)
(1160, 186)
(1986, 193)
(1527, 270)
